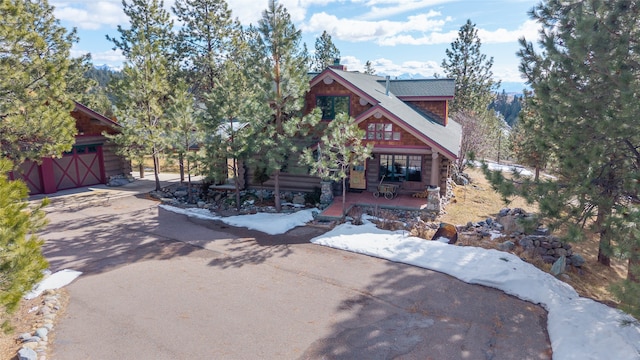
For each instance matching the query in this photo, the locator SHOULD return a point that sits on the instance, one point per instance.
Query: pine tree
(586, 80)
(230, 116)
(526, 143)
(187, 134)
(471, 69)
(326, 52)
(588, 108)
(204, 41)
(282, 74)
(368, 68)
(21, 259)
(35, 105)
(474, 91)
(340, 148)
(142, 92)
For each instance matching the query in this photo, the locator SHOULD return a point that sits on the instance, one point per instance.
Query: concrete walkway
(158, 285)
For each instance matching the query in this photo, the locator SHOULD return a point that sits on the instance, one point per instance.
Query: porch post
(435, 169)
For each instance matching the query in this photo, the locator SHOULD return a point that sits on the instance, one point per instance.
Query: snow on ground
(53, 281)
(579, 328)
(272, 224)
(504, 168)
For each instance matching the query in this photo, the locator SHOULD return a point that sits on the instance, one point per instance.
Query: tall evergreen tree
(142, 93)
(474, 90)
(282, 74)
(231, 114)
(204, 41)
(187, 135)
(326, 52)
(526, 143)
(587, 80)
(472, 71)
(35, 100)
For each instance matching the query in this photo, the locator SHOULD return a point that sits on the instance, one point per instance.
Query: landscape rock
(559, 266)
(507, 246)
(298, 199)
(42, 332)
(577, 260)
(27, 354)
(448, 232)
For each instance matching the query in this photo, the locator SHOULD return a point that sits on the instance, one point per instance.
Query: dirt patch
(26, 320)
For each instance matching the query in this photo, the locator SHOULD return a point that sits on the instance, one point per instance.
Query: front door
(357, 179)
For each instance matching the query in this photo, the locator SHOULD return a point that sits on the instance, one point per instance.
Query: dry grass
(478, 201)
(166, 164)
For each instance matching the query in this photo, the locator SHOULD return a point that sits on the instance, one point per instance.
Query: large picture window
(332, 105)
(400, 167)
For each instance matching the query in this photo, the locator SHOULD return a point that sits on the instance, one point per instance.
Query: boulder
(577, 260)
(27, 354)
(298, 199)
(448, 232)
(507, 246)
(559, 266)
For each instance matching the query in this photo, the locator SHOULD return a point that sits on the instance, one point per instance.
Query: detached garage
(91, 161)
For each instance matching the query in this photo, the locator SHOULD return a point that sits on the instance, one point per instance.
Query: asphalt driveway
(159, 285)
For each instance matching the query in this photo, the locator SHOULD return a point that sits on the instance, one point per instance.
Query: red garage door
(80, 167)
(30, 173)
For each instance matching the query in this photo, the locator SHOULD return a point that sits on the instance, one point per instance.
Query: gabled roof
(446, 139)
(431, 88)
(96, 115)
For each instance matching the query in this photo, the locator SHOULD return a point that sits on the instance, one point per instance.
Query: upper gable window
(332, 105)
(382, 131)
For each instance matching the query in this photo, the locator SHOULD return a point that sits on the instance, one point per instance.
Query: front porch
(366, 199)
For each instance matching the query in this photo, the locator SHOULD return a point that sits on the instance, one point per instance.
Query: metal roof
(445, 138)
(422, 87)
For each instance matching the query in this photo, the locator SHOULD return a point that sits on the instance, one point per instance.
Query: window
(400, 167)
(332, 105)
(379, 131)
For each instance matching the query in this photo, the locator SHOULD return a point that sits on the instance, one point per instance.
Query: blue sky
(397, 36)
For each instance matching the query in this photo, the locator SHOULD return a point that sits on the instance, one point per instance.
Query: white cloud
(250, 11)
(529, 30)
(90, 15)
(378, 31)
(388, 67)
(396, 7)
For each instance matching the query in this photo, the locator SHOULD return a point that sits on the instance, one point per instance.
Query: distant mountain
(107, 67)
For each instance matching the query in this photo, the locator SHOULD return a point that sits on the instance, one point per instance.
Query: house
(91, 161)
(414, 141)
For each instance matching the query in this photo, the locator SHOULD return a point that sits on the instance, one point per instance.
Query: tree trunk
(156, 171)
(236, 182)
(605, 241)
(181, 164)
(141, 169)
(633, 269)
(276, 190)
(344, 195)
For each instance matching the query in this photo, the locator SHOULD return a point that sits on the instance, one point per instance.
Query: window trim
(333, 98)
(407, 165)
(382, 131)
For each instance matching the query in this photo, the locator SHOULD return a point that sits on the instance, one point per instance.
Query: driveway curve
(159, 285)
